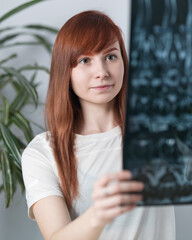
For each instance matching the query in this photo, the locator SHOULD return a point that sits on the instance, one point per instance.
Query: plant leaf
(18, 9)
(20, 143)
(10, 37)
(8, 58)
(11, 144)
(19, 178)
(42, 27)
(24, 82)
(13, 175)
(32, 80)
(20, 101)
(7, 29)
(23, 124)
(4, 80)
(20, 44)
(6, 177)
(44, 42)
(37, 125)
(1, 188)
(5, 111)
(30, 67)
(17, 86)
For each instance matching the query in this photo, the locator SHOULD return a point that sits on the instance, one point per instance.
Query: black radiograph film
(158, 131)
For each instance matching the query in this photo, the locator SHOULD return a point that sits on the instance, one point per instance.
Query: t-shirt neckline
(111, 133)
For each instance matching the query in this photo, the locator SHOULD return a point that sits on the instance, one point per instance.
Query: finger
(118, 187)
(118, 200)
(104, 180)
(125, 187)
(111, 213)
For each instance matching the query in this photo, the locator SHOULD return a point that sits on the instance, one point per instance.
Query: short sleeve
(39, 172)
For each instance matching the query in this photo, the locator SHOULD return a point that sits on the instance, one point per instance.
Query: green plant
(25, 93)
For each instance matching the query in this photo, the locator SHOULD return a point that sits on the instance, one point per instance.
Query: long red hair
(86, 32)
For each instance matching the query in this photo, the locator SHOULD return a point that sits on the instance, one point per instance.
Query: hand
(113, 196)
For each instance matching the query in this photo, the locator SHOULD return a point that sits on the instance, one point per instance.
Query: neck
(97, 118)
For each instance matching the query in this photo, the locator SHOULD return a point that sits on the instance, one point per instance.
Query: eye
(85, 60)
(111, 57)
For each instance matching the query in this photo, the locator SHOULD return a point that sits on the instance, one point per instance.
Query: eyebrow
(110, 49)
(105, 51)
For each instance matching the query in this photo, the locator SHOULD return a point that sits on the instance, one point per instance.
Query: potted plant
(25, 93)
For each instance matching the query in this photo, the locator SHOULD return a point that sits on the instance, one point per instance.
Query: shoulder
(38, 150)
(42, 139)
(40, 142)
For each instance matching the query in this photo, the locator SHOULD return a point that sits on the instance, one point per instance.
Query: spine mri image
(158, 132)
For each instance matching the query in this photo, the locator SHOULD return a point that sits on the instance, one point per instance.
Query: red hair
(86, 32)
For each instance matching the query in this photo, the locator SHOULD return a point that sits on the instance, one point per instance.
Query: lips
(103, 87)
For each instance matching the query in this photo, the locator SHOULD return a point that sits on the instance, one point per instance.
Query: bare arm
(54, 221)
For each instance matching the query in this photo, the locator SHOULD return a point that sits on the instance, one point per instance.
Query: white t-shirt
(96, 154)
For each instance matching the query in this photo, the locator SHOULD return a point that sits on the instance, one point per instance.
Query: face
(98, 78)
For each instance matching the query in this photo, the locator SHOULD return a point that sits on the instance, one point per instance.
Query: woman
(75, 187)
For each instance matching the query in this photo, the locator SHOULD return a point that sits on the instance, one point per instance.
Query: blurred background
(14, 222)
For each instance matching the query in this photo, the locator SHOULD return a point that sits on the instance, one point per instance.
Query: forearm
(82, 228)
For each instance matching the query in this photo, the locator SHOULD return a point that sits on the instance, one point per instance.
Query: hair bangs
(92, 37)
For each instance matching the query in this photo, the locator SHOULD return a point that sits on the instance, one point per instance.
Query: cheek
(121, 74)
(120, 77)
(74, 80)
(77, 83)
(74, 86)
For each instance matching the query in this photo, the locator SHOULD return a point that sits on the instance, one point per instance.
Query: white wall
(14, 223)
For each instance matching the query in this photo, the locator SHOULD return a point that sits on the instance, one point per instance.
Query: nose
(101, 70)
